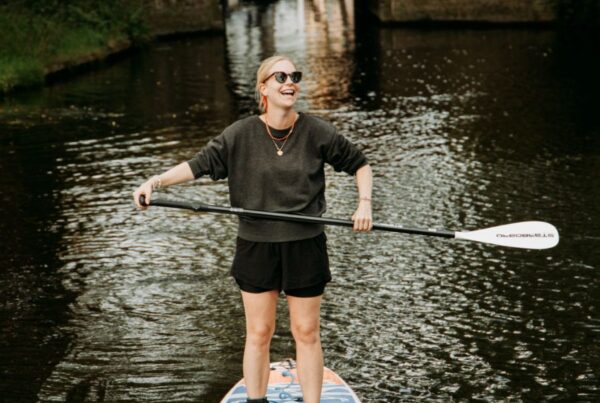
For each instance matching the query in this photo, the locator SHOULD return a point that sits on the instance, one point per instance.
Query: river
(464, 129)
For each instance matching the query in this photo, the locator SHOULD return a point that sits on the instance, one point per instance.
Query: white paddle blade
(526, 234)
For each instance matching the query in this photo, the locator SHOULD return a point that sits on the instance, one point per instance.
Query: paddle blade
(526, 234)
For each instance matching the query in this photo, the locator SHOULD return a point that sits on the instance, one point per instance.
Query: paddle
(526, 234)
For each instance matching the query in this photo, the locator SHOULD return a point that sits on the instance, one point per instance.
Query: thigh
(305, 312)
(260, 309)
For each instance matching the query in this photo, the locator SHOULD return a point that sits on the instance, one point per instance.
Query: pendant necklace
(275, 139)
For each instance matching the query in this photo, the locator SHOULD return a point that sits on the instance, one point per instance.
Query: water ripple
(106, 303)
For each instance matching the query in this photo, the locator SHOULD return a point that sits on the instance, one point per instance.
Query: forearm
(362, 217)
(178, 174)
(364, 182)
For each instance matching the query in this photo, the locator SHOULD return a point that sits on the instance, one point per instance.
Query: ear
(263, 89)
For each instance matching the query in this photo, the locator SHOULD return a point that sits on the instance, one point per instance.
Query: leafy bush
(40, 33)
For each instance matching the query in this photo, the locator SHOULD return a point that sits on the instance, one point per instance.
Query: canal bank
(565, 13)
(43, 39)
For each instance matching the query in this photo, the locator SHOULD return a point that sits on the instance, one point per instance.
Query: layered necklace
(283, 139)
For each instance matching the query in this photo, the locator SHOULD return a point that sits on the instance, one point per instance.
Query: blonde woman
(274, 162)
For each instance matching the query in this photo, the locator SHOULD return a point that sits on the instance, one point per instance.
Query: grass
(32, 43)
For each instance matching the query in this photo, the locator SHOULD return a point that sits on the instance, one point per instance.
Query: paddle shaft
(292, 217)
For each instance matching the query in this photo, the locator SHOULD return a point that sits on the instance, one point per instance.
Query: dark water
(464, 129)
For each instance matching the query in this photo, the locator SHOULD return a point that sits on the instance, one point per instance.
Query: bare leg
(260, 324)
(305, 323)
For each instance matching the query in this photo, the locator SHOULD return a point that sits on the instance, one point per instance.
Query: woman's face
(283, 95)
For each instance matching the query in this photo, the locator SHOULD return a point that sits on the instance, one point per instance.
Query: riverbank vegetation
(42, 36)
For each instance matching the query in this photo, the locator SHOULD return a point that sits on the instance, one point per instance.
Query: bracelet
(156, 182)
(365, 198)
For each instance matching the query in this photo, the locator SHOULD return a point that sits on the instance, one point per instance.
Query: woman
(275, 162)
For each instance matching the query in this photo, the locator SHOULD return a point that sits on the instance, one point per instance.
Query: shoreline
(69, 68)
(62, 68)
(30, 70)
(113, 49)
(40, 45)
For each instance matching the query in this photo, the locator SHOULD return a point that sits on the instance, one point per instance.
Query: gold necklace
(284, 138)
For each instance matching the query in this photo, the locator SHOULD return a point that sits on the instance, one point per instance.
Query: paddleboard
(284, 387)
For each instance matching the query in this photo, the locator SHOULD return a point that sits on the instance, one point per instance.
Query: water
(464, 129)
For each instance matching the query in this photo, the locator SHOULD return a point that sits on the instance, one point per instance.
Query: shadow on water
(464, 128)
(33, 301)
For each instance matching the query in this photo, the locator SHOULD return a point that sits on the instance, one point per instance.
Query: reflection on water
(464, 129)
(318, 35)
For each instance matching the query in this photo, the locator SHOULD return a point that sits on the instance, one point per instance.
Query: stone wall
(491, 11)
(179, 16)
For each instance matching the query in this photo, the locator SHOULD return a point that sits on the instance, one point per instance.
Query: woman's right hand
(173, 176)
(144, 190)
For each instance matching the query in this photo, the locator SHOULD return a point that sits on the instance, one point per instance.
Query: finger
(359, 224)
(135, 199)
(364, 225)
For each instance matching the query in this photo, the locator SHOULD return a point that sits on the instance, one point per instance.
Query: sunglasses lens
(280, 77)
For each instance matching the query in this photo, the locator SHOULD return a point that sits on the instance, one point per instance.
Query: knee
(259, 335)
(306, 333)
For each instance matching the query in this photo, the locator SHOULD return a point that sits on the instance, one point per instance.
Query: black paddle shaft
(201, 207)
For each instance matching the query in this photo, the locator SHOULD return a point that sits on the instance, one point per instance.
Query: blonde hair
(261, 75)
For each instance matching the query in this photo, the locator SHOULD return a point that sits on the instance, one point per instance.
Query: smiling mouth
(290, 93)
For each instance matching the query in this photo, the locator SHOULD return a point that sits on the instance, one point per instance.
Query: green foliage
(19, 72)
(39, 33)
(105, 16)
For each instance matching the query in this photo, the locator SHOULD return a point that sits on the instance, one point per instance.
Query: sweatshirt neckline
(282, 131)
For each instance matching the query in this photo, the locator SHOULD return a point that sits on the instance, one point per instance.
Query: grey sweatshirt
(259, 179)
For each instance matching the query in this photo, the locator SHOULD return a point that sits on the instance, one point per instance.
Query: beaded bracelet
(156, 182)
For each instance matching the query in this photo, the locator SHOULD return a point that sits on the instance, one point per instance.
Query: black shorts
(296, 267)
(304, 292)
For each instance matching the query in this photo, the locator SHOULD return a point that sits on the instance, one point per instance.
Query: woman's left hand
(362, 217)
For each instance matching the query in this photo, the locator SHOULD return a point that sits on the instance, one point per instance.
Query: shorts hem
(250, 282)
(251, 288)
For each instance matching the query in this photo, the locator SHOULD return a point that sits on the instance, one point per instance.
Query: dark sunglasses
(281, 77)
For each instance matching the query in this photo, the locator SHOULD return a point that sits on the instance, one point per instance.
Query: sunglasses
(281, 77)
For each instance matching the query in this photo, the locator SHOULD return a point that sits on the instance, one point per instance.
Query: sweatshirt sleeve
(211, 160)
(343, 155)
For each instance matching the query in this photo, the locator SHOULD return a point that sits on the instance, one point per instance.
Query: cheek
(270, 91)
